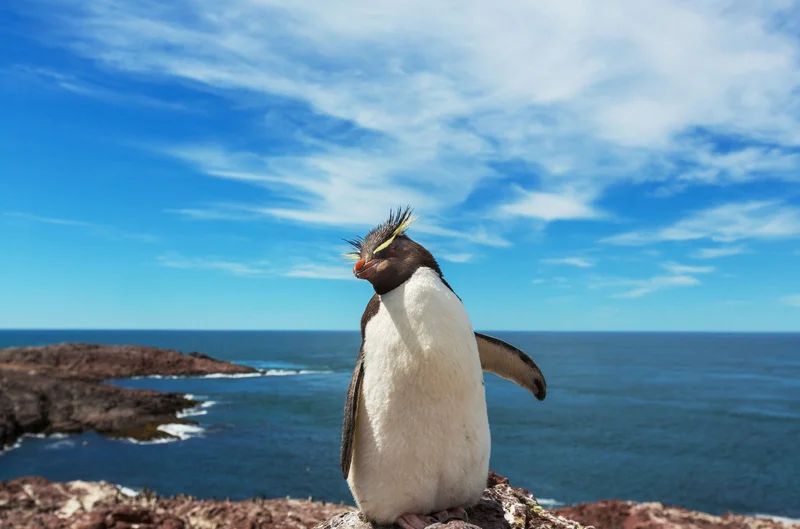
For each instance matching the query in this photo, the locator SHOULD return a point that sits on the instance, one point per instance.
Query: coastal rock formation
(58, 389)
(501, 507)
(100, 362)
(33, 502)
(39, 404)
(614, 514)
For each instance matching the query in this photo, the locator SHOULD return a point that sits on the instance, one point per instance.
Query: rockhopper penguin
(415, 437)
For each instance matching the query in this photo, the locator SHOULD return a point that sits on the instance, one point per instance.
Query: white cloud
(550, 207)
(792, 300)
(722, 251)
(636, 288)
(580, 262)
(648, 286)
(83, 88)
(679, 269)
(417, 101)
(314, 271)
(726, 223)
(235, 267)
(456, 257)
(100, 230)
(538, 281)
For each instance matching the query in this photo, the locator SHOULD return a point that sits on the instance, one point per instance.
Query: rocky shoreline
(60, 389)
(35, 502)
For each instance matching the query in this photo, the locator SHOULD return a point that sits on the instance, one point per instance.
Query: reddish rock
(101, 362)
(613, 514)
(33, 502)
(58, 389)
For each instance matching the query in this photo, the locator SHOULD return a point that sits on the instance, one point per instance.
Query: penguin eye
(386, 252)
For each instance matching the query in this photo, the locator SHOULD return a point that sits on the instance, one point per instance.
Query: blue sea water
(706, 421)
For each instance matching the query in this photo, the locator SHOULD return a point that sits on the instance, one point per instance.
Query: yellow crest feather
(398, 223)
(400, 229)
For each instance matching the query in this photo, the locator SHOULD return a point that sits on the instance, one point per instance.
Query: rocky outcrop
(501, 507)
(101, 362)
(614, 514)
(38, 404)
(34, 502)
(59, 389)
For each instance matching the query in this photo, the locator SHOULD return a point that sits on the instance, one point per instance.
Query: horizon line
(548, 331)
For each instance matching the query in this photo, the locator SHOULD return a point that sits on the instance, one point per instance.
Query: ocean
(710, 422)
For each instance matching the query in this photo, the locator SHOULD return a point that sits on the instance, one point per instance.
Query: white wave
(783, 519)
(198, 410)
(290, 372)
(549, 503)
(159, 441)
(59, 445)
(46, 436)
(182, 431)
(233, 375)
(9, 448)
(256, 374)
(127, 491)
(191, 412)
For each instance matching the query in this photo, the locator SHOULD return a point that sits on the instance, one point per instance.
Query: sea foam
(791, 522)
(548, 502)
(128, 491)
(182, 431)
(257, 374)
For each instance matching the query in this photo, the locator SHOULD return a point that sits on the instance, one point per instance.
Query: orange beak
(363, 270)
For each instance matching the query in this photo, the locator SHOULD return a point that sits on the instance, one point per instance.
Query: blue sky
(574, 166)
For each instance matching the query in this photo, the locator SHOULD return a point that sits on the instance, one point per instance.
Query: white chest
(422, 429)
(421, 329)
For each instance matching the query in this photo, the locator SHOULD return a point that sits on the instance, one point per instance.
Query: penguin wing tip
(541, 390)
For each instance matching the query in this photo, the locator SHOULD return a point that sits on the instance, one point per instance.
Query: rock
(501, 507)
(614, 514)
(58, 389)
(33, 502)
(101, 362)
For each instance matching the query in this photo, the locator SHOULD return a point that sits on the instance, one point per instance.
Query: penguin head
(387, 257)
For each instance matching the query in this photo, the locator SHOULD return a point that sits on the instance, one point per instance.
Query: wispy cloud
(83, 88)
(100, 230)
(315, 271)
(636, 288)
(234, 267)
(679, 269)
(244, 212)
(233, 212)
(726, 223)
(456, 257)
(415, 103)
(722, 251)
(580, 262)
(550, 206)
(792, 300)
(653, 284)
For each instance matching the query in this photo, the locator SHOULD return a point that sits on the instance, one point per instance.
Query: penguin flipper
(350, 410)
(505, 360)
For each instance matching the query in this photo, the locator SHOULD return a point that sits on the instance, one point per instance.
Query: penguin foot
(416, 521)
